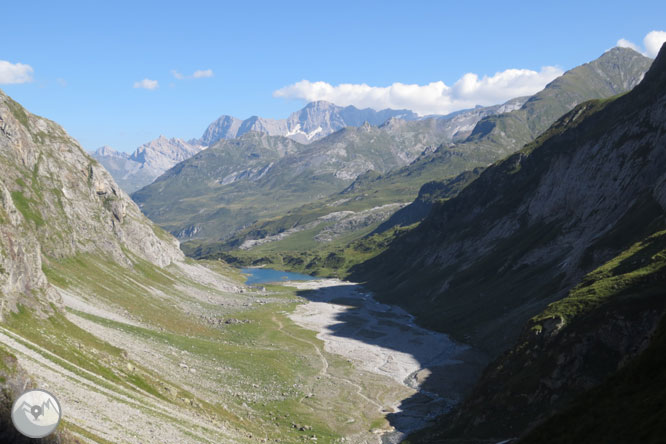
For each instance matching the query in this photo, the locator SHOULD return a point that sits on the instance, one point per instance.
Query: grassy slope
(331, 260)
(252, 377)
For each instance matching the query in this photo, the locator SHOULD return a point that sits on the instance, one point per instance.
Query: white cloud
(198, 74)
(434, 98)
(624, 43)
(147, 84)
(15, 72)
(652, 43)
(202, 73)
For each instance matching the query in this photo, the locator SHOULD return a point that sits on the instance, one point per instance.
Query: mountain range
(363, 197)
(236, 181)
(313, 122)
(146, 163)
(136, 170)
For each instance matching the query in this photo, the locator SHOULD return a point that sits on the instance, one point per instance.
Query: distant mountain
(495, 136)
(146, 163)
(235, 181)
(217, 193)
(315, 121)
(468, 140)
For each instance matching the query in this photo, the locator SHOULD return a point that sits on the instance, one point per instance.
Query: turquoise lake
(265, 275)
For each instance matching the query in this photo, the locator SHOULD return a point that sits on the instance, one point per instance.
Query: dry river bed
(383, 339)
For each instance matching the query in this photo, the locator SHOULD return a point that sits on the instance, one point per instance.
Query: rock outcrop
(55, 202)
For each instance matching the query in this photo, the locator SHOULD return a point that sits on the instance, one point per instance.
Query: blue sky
(86, 57)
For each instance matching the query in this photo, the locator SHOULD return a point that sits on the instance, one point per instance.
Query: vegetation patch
(636, 268)
(18, 112)
(27, 207)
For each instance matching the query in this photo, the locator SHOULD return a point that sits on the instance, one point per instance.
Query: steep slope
(567, 350)
(532, 225)
(627, 407)
(146, 163)
(616, 71)
(57, 202)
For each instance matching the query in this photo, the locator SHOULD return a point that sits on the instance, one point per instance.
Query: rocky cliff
(56, 201)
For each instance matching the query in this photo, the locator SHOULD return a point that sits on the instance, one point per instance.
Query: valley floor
(190, 355)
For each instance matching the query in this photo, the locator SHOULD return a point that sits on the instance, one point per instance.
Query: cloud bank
(434, 98)
(652, 43)
(198, 74)
(15, 72)
(147, 84)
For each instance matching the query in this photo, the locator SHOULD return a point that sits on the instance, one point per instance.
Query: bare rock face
(55, 202)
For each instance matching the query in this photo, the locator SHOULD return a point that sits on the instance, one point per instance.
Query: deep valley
(481, 274)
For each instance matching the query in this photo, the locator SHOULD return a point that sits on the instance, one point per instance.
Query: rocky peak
(314, 121)
(110, 152)
(225, 127)
(320, 105)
